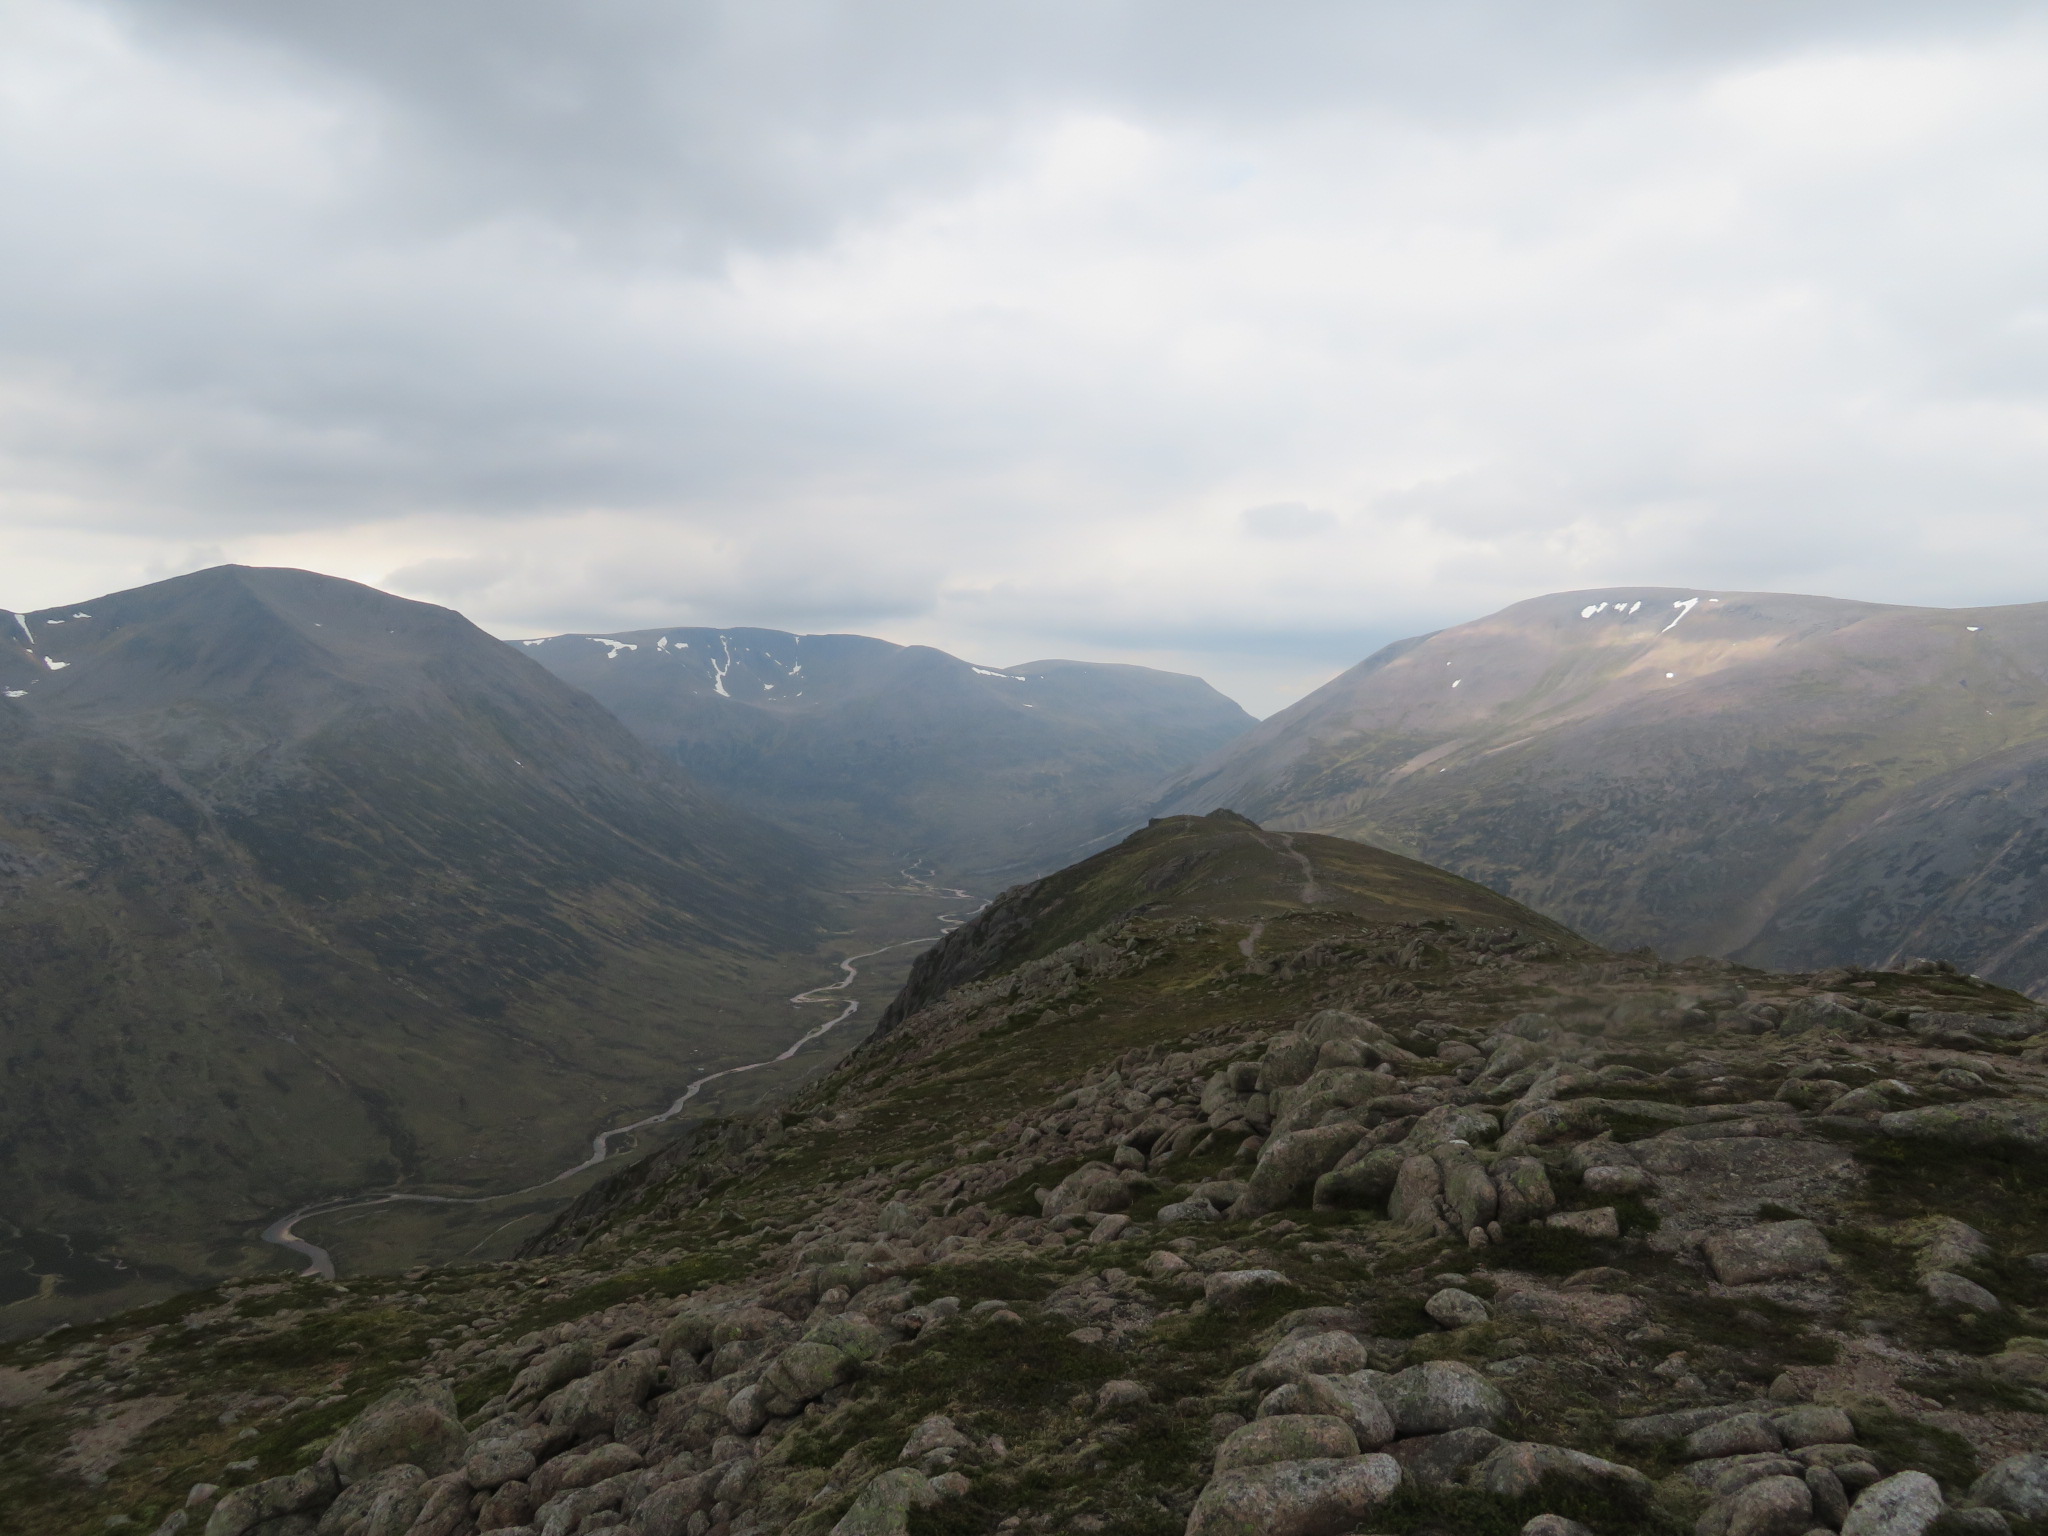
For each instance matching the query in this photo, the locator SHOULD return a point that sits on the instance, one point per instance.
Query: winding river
(319, 1262)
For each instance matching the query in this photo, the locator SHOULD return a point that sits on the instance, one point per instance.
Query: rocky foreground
(1238, 1215)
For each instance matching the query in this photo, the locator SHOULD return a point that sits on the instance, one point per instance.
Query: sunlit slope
(1691, 770)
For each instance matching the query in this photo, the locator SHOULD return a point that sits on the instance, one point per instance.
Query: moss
(986, 1280)
(1976, 1392)
(1902, 1444)
(1757, 1337)
(691, 1274)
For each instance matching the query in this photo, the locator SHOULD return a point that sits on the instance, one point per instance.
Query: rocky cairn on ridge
(1440, 1239)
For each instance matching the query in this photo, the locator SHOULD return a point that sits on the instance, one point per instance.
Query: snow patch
(23, 622)
(1671, 674)
(984, 671)
(1973, 628)
(1684, 607)
(616, 647)
(54, 665)
(523, 642)
(1456, 680)
(81, 615)
(16, 693)
(718, 672)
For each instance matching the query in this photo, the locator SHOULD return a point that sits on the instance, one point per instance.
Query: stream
(320, 1263)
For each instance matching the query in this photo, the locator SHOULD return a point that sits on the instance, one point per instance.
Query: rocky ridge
(1322, 1222)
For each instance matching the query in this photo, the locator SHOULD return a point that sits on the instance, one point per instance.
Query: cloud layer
(1225, 337)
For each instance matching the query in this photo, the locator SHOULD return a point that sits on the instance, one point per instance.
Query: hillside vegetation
(1225, 1183)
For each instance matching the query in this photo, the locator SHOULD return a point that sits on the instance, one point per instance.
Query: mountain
(1212, 1194)
(898, 752)
(307, 889)
(1795, 781)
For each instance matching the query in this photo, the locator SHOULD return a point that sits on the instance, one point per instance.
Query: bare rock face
(1320, 1497)
(1770, 1251)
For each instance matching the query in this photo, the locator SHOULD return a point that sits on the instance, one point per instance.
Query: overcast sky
(1236, 338)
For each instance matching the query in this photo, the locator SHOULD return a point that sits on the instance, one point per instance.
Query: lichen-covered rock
(1315, 1354)
(1830, 1497)
(1438, 1461)
(1554, 1525)
(799, 1374)
(1742, 1434)
(552, 1369)
(1973, 1124)
(1813, 1424)
(1779, 1505)
(2018, 1485)
(1322, 1497)
(593, 1404)
(667, 1510)
(883, 1507)
(1286, 1437)
(1361, 1185)
(1417, 1197)
(383, 1504)
(1524, 1190)
(242, 1511)
(1093, 1187)
(496, 1462)
(1601, 1222)
(1345, 1397)
(1289, 1166)
(1769, 1251)
(1439, 1395)
(1519, 1468)
(1233, 1290)
(1453, 1308)
(1904, 1504)
(1954, 1293)
(1614, 1179)
(413, 1425)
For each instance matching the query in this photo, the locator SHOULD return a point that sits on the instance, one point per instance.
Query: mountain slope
(305, 888)
(896, 751)
(1160, 1226)
(1733, 773)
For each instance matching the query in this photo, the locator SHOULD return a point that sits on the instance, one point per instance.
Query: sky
(1233, 338)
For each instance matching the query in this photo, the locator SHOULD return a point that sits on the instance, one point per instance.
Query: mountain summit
(1796, 781)
(902, 751)
(305, 888)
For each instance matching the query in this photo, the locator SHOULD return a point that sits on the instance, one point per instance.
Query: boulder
(1438, 1461)
(1189, 1210)
(497, 1461)
(1615, 1179)
(1418, 1191)
(1235, 1290)
(883, 1507)
(667, 1510)
(1743, 1434)
(412, 1426)
(1813, 1424)
(1321, 1497)
(242, 1511)
(1518, 1468)
(1362, 1185)
(1114, 1398)
(1766, 1252)
(1315, 1354)
(1439, 1395)
(1904, 1504)
(582, 1469)
(1089, 1188)
(1524, 1191)
(593, 1404)
(1602, 1222)
(1288, 1063)
(1345, 1397)
(557, 1367)
(1952, 1293)
(1289, 1166)
(384, 1504)
(800, 1373)
(1470, 1199)
(1453, 1308)
(1973, 1124)
(2018, 1485)
(1286, 1437)
(1554, 1525)
(1770, 1506)
(1830, 1497)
